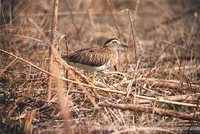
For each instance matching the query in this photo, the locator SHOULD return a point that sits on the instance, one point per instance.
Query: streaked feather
(91, 56)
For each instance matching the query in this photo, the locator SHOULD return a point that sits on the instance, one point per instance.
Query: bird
(96, 59)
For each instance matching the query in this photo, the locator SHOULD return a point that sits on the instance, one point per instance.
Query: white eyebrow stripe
(118, 42)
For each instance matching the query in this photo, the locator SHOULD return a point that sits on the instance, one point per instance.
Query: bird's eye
(114, 42)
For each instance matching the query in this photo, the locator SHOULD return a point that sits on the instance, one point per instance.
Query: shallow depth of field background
(164, 44)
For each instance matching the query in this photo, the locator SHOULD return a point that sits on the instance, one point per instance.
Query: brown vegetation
(155, 89)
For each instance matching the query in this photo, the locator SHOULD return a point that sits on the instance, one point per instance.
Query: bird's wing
(89, 56)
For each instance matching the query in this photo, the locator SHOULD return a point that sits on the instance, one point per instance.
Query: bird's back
(92, 56)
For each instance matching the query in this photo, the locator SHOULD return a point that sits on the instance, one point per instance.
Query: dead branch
(186, 97)
(160, 99)
(169, 83)
(158, 111)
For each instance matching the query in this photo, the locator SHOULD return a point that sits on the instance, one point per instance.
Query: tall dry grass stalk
(52, 44)
(114, 19)
(55, 69)
(62, 100)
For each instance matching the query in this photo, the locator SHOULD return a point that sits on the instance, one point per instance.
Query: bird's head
(113, 43)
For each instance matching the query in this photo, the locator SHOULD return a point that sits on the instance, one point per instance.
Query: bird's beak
(124, 45)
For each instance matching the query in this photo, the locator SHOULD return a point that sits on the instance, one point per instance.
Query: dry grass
(155, 90)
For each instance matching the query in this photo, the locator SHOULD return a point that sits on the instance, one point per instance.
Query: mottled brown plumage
(92, 56)
(95, 59)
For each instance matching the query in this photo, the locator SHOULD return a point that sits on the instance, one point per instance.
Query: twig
(188, 69)
(134, 80)
(163, 100)
(158, 111)
(29, 116)
(139, 129)
(83, 20)
(133, 35)
(136, 8)
(185, 97)
(63, 14)
(192, 30)
(72, 17)
(169, 83)
(114, 19)
(8, 66)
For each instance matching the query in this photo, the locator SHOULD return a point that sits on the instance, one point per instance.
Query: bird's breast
(113, 58)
